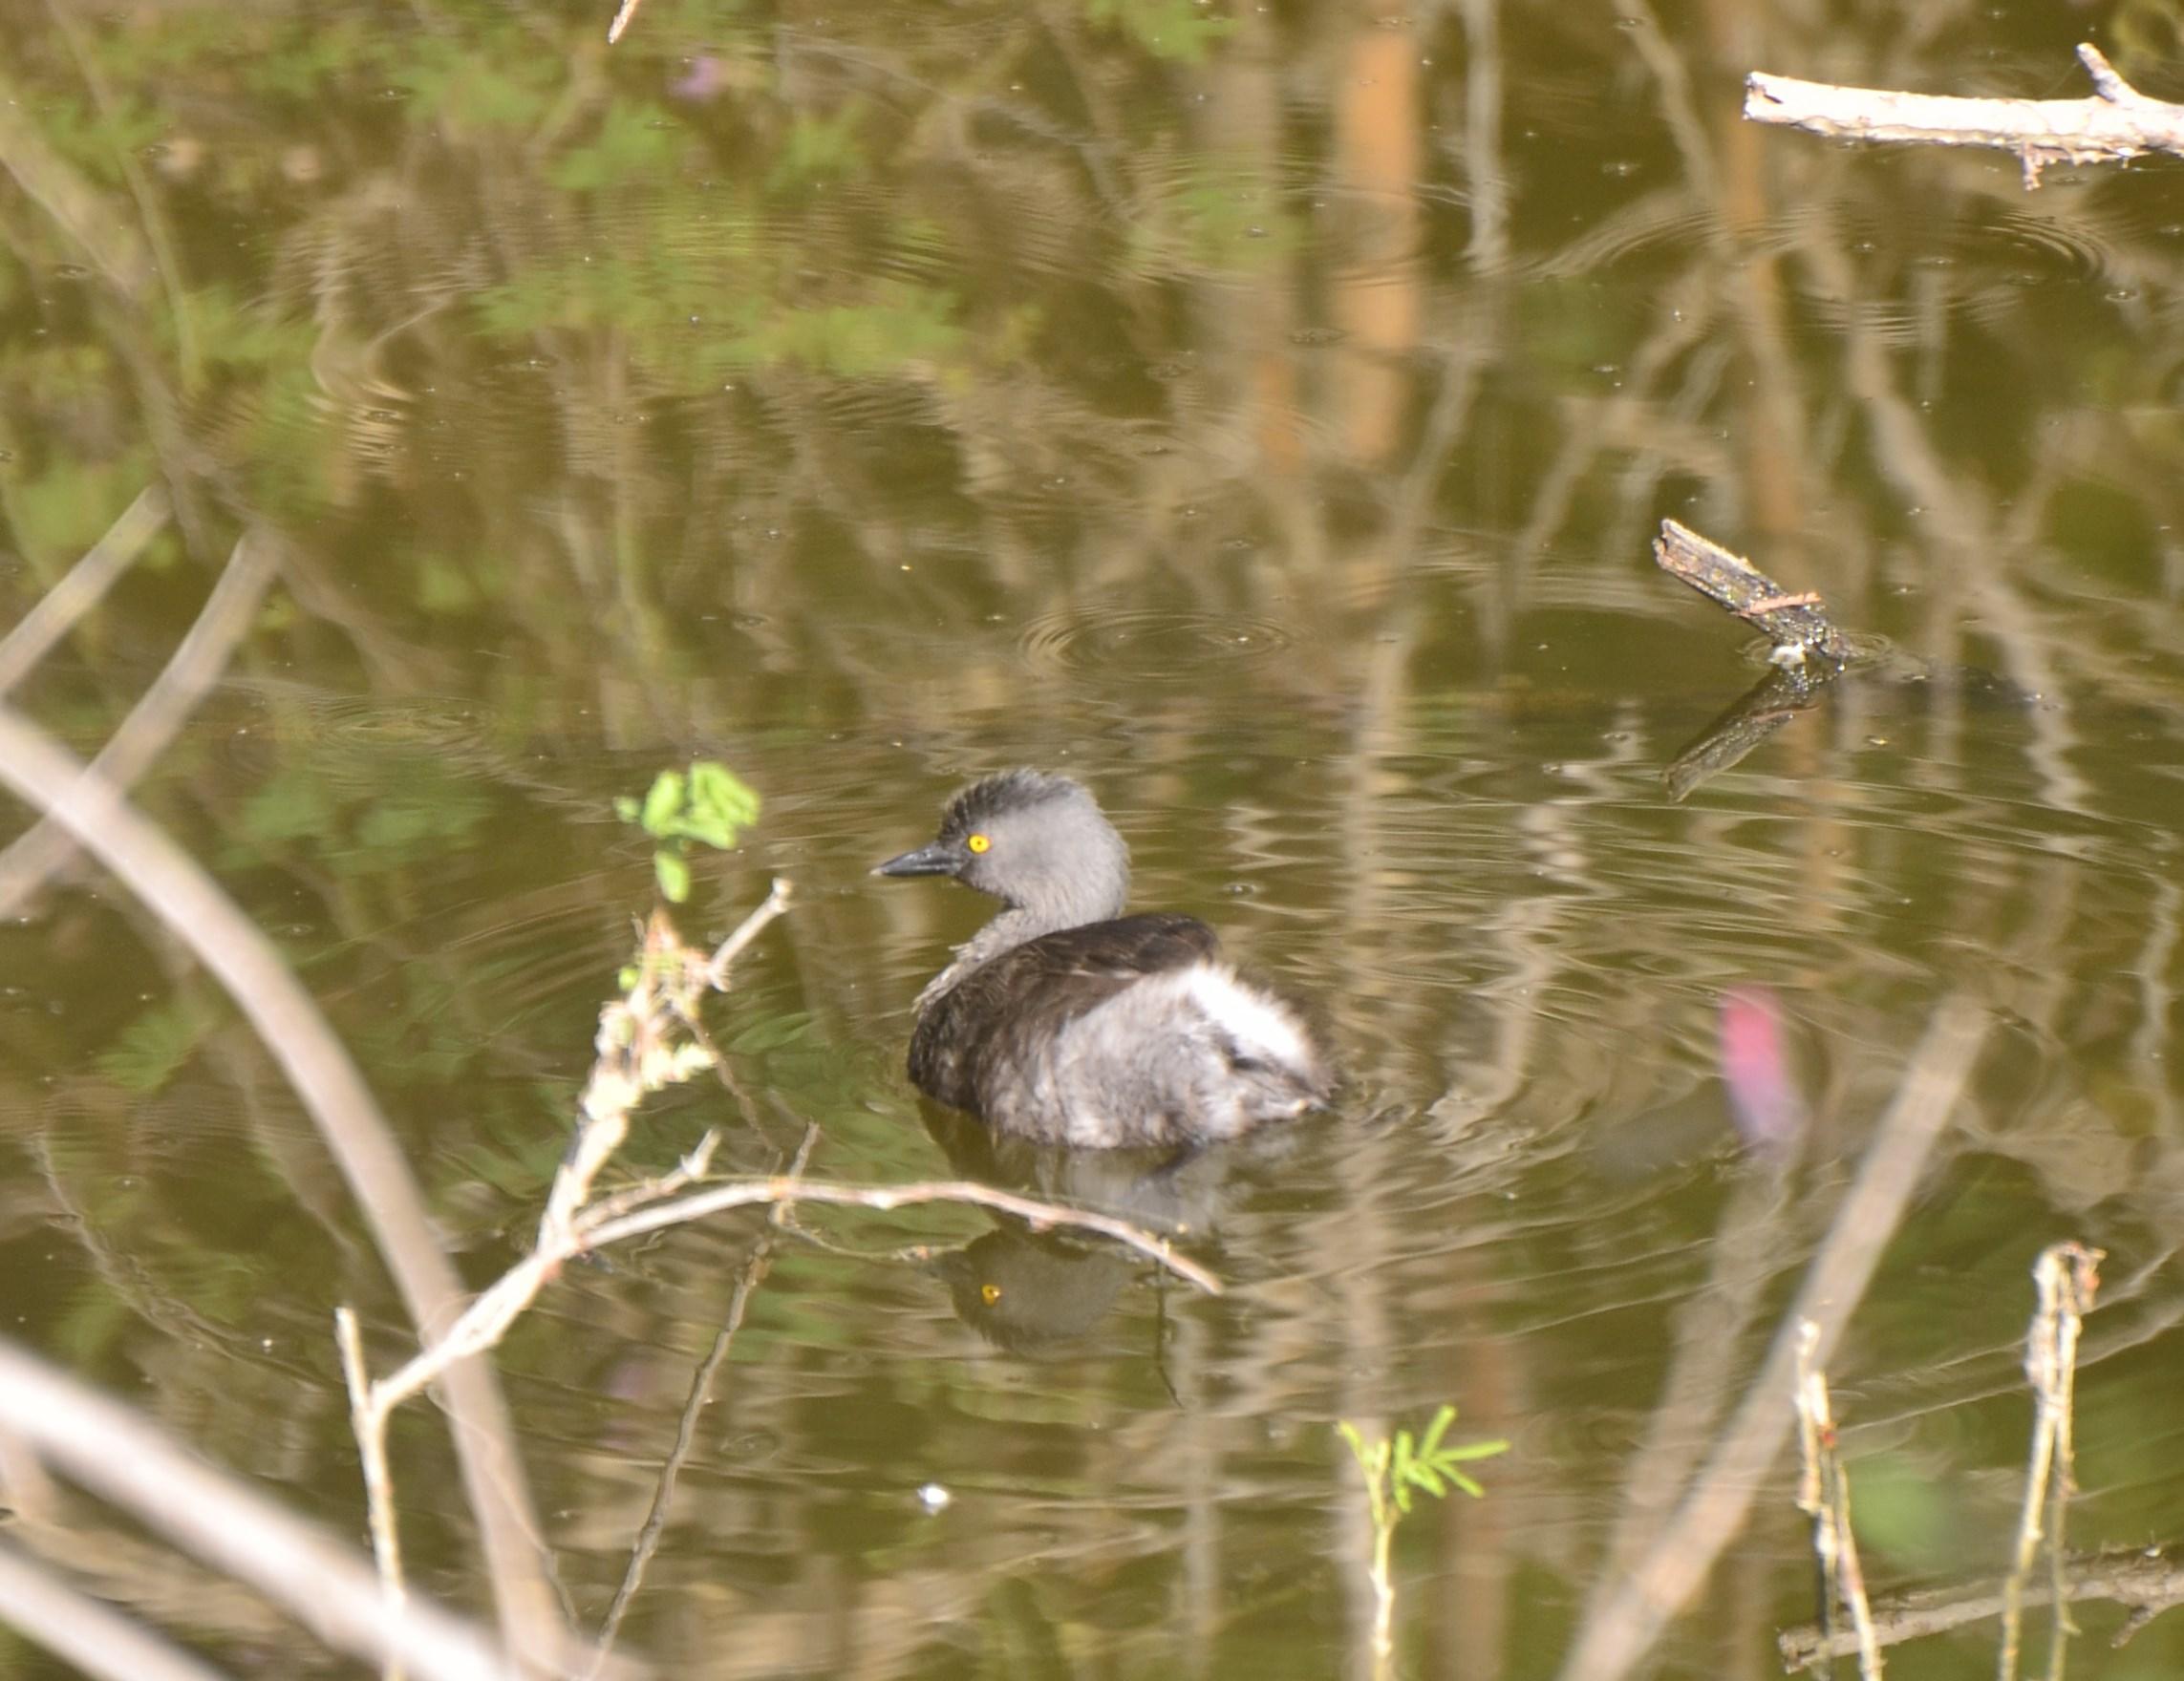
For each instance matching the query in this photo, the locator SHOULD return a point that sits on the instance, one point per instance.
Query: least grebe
(1066, 1022)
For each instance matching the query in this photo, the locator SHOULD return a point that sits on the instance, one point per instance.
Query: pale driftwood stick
(1796, 623)
(121, 1458)
(622, 18)
(2117, 124)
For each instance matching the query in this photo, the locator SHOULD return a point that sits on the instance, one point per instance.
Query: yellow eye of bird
(979, 842)
(989, 1293)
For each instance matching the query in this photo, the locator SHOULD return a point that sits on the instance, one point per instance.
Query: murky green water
(1224, 404)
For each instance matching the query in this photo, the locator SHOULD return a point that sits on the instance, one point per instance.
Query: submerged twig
(2115, 124)
(2147, 1583)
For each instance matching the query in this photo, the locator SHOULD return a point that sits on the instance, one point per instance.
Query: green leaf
(673, 873)
(663, 804)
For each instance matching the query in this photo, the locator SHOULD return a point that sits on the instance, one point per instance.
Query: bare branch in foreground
(116, 1454)
(648, 1039)
(191, 904)
(1613, 1641)
(2114, 125)
(91, 1635)
(1040, 1216)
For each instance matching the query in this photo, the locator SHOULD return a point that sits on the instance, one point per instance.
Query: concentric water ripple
(1148, 645)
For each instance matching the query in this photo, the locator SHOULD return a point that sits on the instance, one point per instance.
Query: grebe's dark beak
(943, 858)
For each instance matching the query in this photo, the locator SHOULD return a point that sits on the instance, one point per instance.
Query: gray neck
(1096, 896)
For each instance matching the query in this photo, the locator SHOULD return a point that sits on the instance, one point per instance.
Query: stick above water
(1796, 623)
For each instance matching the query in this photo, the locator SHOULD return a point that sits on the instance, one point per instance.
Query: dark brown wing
(1035, 989)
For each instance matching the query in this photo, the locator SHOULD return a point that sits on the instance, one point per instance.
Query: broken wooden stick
(1795, 621)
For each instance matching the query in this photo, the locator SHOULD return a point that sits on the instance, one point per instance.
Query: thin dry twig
(2066, 1277)
(1614, 1640)
(2067, 1274)
(379, 1475)
(2115, 124)
(1039, 1216)
(648, 1038)
(189, 903)
(1823, 1495)
(654, 1524)
(622, 18)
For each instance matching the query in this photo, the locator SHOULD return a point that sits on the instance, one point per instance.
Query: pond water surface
(1262, 413)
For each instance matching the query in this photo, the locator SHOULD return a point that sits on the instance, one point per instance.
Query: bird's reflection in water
(1026, 1291)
